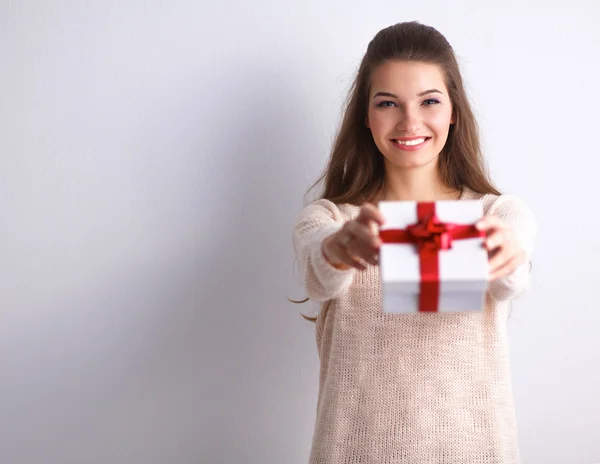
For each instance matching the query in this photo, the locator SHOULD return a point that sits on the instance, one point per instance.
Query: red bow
(430, 235)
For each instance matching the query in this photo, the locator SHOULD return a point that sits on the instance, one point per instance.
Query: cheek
(440, 121)
(380, 123)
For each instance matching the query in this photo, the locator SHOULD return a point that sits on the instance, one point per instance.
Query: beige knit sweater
(409, 388)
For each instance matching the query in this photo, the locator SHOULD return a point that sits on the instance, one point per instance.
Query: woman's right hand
(355, 241)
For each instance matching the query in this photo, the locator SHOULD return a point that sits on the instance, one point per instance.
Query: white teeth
(411, 142)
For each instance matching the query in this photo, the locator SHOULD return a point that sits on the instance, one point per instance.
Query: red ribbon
(430, 236)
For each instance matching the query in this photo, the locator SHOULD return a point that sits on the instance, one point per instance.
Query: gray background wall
(153, 158)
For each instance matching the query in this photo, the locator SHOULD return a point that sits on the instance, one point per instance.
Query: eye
(385, 104)
(431, 101)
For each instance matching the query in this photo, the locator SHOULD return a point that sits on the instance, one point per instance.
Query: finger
(499, 257)
(508, 267)
(363, 233)
(490, 222)
(344, 236)
(497, 238)
(363, 251)
(341, 254)
(502, 272)
(369, 212)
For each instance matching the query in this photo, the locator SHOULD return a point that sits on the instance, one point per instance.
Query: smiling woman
(408, 86)
(404, 118)
(409, 388)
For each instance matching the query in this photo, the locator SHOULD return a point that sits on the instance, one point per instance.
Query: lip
(412, 137)
(410, 147)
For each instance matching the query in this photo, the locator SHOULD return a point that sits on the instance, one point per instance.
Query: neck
(416, 185)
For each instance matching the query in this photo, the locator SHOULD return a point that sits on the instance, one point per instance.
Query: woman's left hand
(505, 254)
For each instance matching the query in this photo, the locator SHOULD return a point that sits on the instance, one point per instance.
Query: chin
(409, 161)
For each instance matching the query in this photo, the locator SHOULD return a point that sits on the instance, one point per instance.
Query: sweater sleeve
(315, 222)
(517, 215)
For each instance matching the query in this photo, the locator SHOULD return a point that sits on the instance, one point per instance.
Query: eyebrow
(388, 94)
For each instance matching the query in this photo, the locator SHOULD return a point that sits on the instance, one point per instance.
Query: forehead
(407, 78)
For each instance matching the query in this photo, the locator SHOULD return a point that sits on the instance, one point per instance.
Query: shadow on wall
(181, 357)
(209, 365)
(259, 147)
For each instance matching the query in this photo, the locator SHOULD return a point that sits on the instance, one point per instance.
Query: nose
(409, 121)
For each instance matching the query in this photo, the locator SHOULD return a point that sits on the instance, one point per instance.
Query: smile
(411, 144)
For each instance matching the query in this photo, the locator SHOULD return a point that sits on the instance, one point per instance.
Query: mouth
(410, 144)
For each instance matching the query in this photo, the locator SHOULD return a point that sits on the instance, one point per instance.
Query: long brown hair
(355, 171)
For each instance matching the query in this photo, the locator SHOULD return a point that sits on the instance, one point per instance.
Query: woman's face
(409, 112)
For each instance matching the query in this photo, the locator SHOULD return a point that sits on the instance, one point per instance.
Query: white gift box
(463, 269)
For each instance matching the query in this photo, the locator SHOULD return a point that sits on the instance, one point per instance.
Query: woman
(422, 387)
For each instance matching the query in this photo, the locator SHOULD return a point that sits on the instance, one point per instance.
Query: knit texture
(409, 388)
